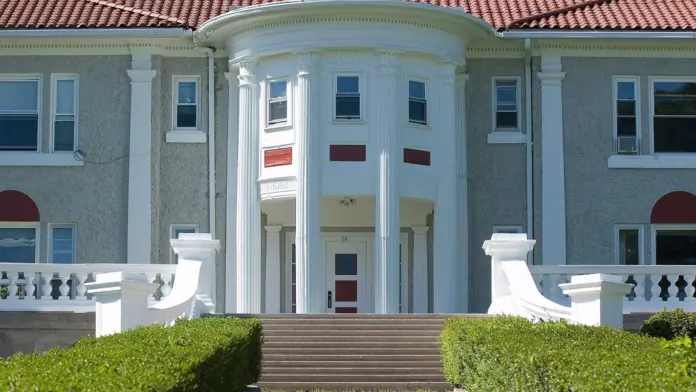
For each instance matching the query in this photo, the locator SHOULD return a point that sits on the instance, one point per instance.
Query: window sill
(652, 162)
(11, 158)
(278, 127)
(347, 121)
(179, 136)
(423, 127)
(501, 137)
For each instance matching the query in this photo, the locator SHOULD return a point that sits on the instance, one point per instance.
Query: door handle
(329, 299)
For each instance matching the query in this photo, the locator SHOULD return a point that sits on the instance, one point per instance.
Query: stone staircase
(352, 351)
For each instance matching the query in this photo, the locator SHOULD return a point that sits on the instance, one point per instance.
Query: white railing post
(200, 247)
(597, 299)
(504, 247)
(122, 300)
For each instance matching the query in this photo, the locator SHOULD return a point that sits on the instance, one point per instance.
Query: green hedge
(670, 324)
(209, 354)
(512, 354)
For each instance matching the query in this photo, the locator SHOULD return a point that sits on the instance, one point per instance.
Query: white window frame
(507, 229)
(52, 226)
(651, 88)
(176, 79)
(288, 100)
(617, 242)
(615, 95)
(361, 93)
(55, 78)
(172, 231)
(38, 78)
(33, 225)
(425, 99)
(494, 105)
(661, 227)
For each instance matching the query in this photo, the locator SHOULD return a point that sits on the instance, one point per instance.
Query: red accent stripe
(277, 157)
(417, 157)
(15, 206)
(347, 153)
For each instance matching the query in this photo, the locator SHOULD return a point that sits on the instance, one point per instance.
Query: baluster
(557, 294)
(12, 288)
(47, 288)
(689, 289)
(166, 287)
(672, 289)
(29, 277)
(81, 277)
(639, 288)
(655, 289)
(152, 278)
(538, 279)
(64, 288)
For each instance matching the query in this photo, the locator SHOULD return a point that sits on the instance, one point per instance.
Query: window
(19, 114)
(277, 102)
(186, 102)
(62, 244)
(18, 243)
(64, 119)
(507, 229)
(347, 98)
(629, 245)
(175, 231)
(675, 245)
(506, 99)
(626, 110)
(417, 103)
(674, 116)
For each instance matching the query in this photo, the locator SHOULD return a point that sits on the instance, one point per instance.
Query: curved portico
(335, 105)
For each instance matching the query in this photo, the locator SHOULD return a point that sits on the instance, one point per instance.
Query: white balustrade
(656, 287)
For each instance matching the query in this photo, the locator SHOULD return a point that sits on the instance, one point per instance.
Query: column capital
(247, 71)
(420, 230)
(388, 62)
(141, 75)
(461, 78)
(307, 62)
(273, 229)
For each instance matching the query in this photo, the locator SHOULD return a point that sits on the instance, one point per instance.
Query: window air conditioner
(627, 145)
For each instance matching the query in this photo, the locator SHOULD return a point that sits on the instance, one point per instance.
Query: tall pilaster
(231, 197)
(308, 252)
(462, 192)
(248, 194)
(139, 243)
(387, 224)
(445, 270)
(273, 269)
(553, 216)
(420, 269)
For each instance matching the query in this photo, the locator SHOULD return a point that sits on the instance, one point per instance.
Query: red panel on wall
(15, 206)
(347, 153)
(343, 309)
(675, 207)
(277, 157)
(417, 157)
(346, 290)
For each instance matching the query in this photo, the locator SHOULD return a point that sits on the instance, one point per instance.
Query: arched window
(19, 228)
(673, 220)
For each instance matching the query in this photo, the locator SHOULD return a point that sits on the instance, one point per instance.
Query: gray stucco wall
(497, 174)
(93, 196)
(597, 198)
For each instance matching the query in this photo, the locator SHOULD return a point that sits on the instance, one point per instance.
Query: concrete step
(296, 316)
(364, 351)
(433, 328)
(366, 365)
(368, 345)
(346, 357)
(341, 377)
(357, 385)
(318, 334)
(349, 370)
(342, 338)
(340, 321)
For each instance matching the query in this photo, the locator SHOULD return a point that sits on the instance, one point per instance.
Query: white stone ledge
(186, 137)
(652, 162)
(12, 158)
(507, 138)
(278, 187)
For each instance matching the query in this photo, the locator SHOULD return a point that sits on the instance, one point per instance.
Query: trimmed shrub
(670, 324)
(515, 355)
(209, 354)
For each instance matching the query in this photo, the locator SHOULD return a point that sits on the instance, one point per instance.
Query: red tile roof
(502, 14)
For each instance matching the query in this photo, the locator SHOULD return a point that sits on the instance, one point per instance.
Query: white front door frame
(360, 248)
(368, 238)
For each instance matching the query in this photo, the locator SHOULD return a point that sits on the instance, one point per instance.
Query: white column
(273, 269)
(553, 221)
(420, 269)
(139, 242)
(200, 247)
(231, 203)
(248, 195)
(308, 253)
(387, 226)
(462, 193)
(445, 270)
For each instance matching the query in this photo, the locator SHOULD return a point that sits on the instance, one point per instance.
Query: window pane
(628, 247)
(17, 245)
(506, 95)
(179, 231)
(278, 90)
(416, 89)
(64, 136)
(186, 116)
(63, 233)
(62, 245)
(676, 247)
(626, 126)
(19, 96)
(347, 84)
(63, 258)
(506, 119)
(65, 96)
(675, 134)
(187, 92)
(348, 107)
(278, 111)
(417, 111)
(675, 88)
(346, 264)
(625, 90)
(19, 132)
(675, 105)
(626, 108)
